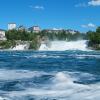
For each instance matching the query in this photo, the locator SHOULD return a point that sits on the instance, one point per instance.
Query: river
(50, 75)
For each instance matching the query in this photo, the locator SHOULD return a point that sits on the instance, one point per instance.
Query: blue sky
(82, 15)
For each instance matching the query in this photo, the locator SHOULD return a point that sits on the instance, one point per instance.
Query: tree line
(35, 38)
(94, 39)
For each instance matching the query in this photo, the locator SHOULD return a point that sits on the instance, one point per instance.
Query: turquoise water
(67, 75)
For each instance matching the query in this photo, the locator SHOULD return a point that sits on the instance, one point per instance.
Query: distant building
(34, 29)
(72, 31)
(60, 30)
(2, 34)
(21, 28)
(53, 30)
(11, 26)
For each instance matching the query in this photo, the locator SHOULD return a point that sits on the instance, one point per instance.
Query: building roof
(2, 30)
(21, 26)
(34, 26)
(11, 23)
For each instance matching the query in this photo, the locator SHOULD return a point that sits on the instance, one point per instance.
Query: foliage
(94, 38)
(36, 38)
(29, 36)
(35, 43)
(7, 44)
(17, 35)
(61, 35)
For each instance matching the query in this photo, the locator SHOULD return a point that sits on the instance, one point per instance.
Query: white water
(61, 86)
(20, 47)
(63, 45)
(13, 74)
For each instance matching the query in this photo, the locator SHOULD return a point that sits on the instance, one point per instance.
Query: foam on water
(71, 78)
(63, 45)
(43, 56)
(17, 74)
(20, 47)
(60, 87)
(61, 77)
(82, 56)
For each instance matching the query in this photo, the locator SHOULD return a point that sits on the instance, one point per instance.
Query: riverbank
(18, 39)
(52, 46)
(23, 40)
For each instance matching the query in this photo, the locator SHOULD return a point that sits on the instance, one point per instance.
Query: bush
(94, 38)
(7, 44)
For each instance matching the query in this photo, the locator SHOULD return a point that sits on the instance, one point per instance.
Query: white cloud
(37, 7)
(94, 3)
(89, 3)
(81, 5)
(89, 25)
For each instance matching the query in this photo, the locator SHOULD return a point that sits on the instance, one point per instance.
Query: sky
(81, 15)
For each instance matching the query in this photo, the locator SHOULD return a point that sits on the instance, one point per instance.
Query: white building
(11, 26)
(34, 29)
(2, 34)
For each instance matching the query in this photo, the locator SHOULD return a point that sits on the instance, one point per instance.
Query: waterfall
(21, 47)
(64, 45)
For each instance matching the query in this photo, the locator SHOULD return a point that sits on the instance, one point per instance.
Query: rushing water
(67, 75)
(64, 45)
